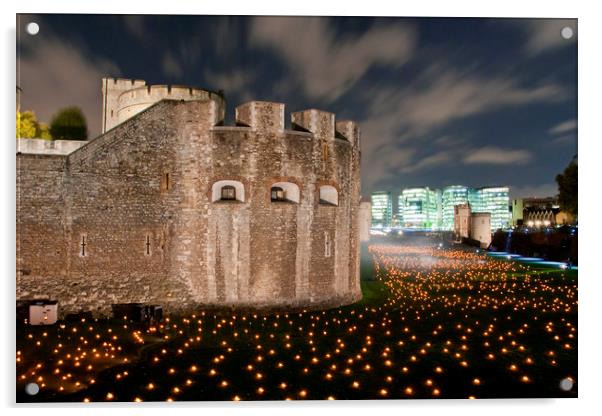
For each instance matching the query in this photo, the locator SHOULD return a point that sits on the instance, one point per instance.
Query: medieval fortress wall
(137, 214)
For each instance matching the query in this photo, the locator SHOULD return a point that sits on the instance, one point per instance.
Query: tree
(567, 188)
(28, 126)
(44, 131)
(69, 124)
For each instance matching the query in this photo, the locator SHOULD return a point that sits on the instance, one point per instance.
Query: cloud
(443, 95)
(226, 36)
(436, 159)
(389, 162)
(135, 24)
(541, 191)
(439, 96)
(497, 156)
(234, 81)
(171, 67)
(55, 73)
(564, 127)
(544, 34)
(448, 141)
(566, 139)
(325, 65)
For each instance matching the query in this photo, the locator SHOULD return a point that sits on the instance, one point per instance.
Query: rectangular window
(165, 182)
(228, 193)
(147, 245)
(83, 244)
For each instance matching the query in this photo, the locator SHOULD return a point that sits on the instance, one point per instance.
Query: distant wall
(48, 147)
(480, 228)
(462, 220)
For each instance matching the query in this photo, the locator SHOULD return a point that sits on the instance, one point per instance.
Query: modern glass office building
(450, 197)
(382, 209)
(434, 209)
(494, 200)
(419, 208)
(399, 210)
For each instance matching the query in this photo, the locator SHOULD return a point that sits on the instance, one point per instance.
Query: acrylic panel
(217, 208)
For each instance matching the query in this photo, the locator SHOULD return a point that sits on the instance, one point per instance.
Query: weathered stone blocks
(261, 115)
(139, 213)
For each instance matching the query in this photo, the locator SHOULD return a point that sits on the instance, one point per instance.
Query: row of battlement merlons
(169, 89)
(256, 115)
(125, 85)
(135, 86)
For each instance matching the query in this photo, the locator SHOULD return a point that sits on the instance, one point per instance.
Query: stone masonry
(138, 213)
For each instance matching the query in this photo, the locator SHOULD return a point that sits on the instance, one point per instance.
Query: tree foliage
(44, 131)
(567, 188)
(28, 127)
(69, 124)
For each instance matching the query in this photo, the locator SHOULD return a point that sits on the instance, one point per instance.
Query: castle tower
(124, 98)
(111, 90)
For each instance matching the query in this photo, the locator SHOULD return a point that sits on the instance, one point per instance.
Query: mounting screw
(32, 28)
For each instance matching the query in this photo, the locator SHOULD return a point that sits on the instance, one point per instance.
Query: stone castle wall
(365, 219)
(131, 216)
(48, 147)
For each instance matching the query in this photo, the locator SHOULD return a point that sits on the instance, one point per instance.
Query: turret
(124, 98)
(111, 90)
(132, 102)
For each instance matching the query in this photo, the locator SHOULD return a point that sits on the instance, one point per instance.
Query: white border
(590, 138)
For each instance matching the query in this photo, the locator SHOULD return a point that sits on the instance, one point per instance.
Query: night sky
(439, 101)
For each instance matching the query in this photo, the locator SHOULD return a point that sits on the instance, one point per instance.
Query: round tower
(133, 101)
(124, 98)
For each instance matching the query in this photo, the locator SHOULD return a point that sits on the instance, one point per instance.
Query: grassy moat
(433, 323)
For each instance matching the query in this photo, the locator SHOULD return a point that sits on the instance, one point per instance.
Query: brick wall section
(159, 240)
(41, 245)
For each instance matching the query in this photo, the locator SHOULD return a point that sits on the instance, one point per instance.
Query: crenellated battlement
(261, 115)
(320, 123)
(270, 116)
(350, 130)
(124, 98)
(123, 83)
(158, 92)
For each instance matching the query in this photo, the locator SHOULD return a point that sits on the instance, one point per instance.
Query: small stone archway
(216, 190)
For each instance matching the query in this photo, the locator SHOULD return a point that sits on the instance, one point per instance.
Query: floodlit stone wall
(132, 216)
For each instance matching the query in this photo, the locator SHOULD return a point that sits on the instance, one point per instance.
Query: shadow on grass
(374, 292)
